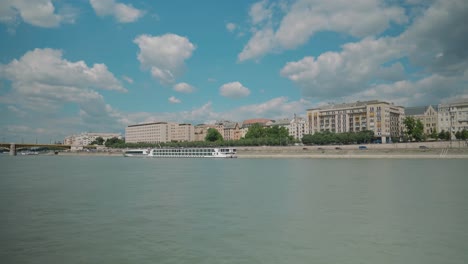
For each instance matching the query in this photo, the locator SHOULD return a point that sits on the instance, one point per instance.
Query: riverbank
(338, 152)
(324, 152)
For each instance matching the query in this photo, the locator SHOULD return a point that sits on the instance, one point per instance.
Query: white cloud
(164, 55)
(234, 90)
(261, 42)
(304, 18)
(279, 107)
(437, 39)
(183, 88)
(41, 13)
(429, 90)
(362, 69)
(231, 27)
(47, 68)
(42, 82)
(275, 108)
(122, 12)
(356, 65)
(174, 100)
(127, 79)
(260, 12)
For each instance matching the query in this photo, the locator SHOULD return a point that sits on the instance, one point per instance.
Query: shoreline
(315, 152)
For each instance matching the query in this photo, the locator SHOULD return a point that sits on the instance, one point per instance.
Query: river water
(81, 209)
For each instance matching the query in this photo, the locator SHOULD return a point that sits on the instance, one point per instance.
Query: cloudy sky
(70, 66)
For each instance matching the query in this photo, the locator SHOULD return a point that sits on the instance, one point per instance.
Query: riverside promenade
(415, 150)
(445, 149)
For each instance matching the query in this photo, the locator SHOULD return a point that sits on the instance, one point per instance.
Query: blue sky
(99, 65)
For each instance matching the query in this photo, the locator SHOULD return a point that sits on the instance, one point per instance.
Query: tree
(464, 134)
(444, 135)
(414, 128)
(114, 142)
(434, 134)
(98, 141)
(213, 135)
(255, 131)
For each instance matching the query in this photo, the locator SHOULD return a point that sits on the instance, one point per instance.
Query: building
(427, 115)
(159, 132)
(232, 131)
(260, 121)
(298, 127)
(453, 117)
(85, 139)
(201, 130)
(244, 127)
(384, 118)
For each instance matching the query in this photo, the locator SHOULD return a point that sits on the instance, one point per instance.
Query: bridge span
(13, 147)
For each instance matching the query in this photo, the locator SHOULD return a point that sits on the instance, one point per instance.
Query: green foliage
(213, 135)
(98, 141)
(255, 131)
(463, 135)
(327, 137)
(115, 143)
(414, 128)
(444, 135)
(271, 136)
(434, 134)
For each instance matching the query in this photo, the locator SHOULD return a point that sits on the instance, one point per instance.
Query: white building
(383, 118)
(159, 132)
(298, 127)
(85, 139)
(427, 115)
(453, 117)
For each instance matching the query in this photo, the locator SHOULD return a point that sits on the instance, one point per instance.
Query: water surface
(56, 209)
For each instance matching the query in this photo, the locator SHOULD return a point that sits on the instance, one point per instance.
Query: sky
(73, 66)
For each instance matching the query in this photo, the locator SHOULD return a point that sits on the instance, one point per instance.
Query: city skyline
(73, 66)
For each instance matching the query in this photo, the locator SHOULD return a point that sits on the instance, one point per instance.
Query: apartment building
(384, 118)
(202, 129)
(427, 115)
(298, 127)
(453, 117)
(232, 131)
(157, 132)
(84, 139)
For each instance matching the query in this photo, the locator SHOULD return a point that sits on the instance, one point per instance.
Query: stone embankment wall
(401, 146)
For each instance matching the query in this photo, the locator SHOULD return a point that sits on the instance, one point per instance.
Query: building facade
(427, 115)
(232, 131)
(383, 118)
(159, 132)
(298, 127)
(453, 117)
(85, 139)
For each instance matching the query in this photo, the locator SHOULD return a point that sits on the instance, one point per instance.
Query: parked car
(338, 148)
(423, 147)
(362, 147)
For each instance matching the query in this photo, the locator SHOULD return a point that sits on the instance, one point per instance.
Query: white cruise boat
(136, 152)
(193, 153)
(182, 153)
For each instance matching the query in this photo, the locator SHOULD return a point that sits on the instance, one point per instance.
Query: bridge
(13, 147)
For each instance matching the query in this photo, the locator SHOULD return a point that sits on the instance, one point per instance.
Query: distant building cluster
(383, 118)
(85, 139)
(159, 132)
